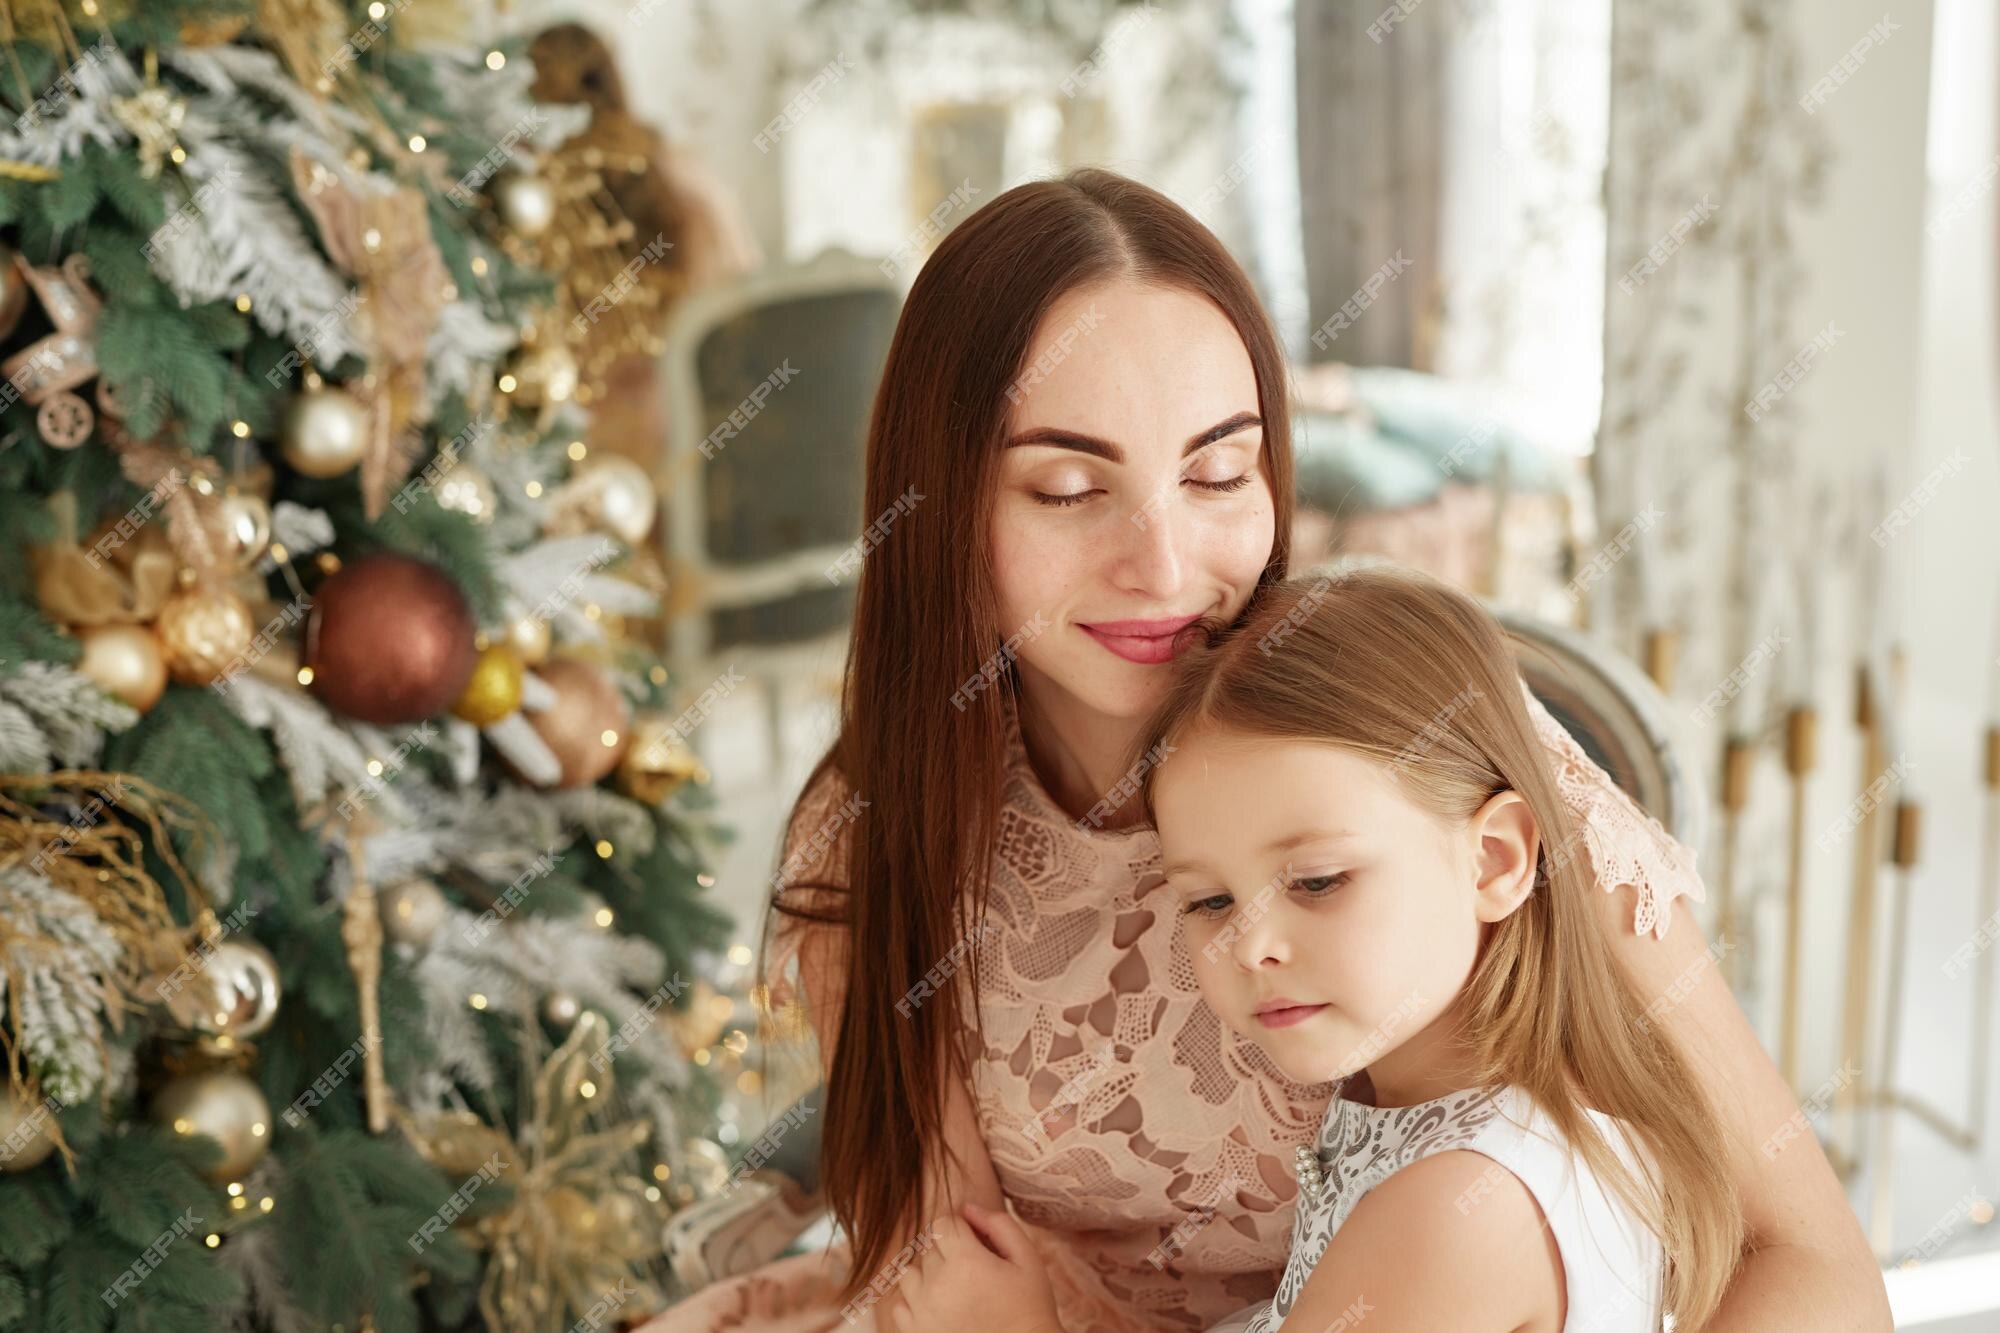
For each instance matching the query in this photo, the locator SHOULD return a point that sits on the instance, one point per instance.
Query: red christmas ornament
(389, 640)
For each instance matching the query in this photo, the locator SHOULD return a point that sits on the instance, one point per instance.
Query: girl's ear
(1505, 847)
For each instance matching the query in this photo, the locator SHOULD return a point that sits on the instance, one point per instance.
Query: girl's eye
(1316, 886)
(1077, 497)
(1210, 906)
(1233, 484)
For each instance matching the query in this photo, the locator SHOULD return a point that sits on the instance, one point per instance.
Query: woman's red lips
(1141, 629)
(1148, 642)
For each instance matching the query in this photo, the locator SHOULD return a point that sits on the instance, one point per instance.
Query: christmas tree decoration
(201, 631)
(286, 318)
(560, 1008)
(580, 1223)
(587, 723)
(464, 489)
(26, 1131)
(608, 494)
(82, 584)
(525, 202)
(361, 937)
(125, 661)
(382, 239)
(494, 689)
(245, 520)
(325, 432)
(529, 637)
(235, 992)
(13, 289)
(621, 225)
(220, 1104)
(412, 911)
(45, 371)
(704, 1168)
(657, 761)
(389, 639)
(154, 116)
(459, 1143)
(541, 378)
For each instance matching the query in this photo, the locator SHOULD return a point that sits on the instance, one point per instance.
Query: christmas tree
(354, 965)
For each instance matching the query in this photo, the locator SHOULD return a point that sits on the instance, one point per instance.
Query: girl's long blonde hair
(1404, 669)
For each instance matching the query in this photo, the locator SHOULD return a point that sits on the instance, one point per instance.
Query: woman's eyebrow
(1111, 453)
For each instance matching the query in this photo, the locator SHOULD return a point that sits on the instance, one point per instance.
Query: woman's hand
(980, 1271)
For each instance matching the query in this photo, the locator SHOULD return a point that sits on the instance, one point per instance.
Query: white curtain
(1459, 145)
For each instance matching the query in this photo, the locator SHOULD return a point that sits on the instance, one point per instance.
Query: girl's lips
(1284, 1018)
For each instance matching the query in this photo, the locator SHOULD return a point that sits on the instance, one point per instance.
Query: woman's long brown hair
(1402, 669)
(926, 621)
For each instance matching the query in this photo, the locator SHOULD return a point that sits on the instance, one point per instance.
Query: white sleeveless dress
(1612, 1263)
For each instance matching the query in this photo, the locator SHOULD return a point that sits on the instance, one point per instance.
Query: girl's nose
(1260, 943)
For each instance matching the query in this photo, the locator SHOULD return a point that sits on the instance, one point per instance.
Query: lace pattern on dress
(1625, 844)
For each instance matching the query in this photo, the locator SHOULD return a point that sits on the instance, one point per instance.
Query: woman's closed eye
(1078, 497)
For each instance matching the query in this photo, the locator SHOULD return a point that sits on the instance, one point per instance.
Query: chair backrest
(770, 380)
(1616, 713)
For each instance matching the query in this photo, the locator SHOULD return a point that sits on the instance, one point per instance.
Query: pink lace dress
(1143, 1143)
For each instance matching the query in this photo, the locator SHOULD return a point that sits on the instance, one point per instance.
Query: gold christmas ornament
(464, 489)
(325, 432)
(27, 1131)
(561, 1008)
(624, 502)
(529, 637)
(361, 934)
(541, 376)
(226, 989)
(526, 203)
(412, 911)
(202, 630)
(223, 1105)
(494, 691)
(124, 661)
(610, 494)
(657, 762)
(246, 527)
(586, 726)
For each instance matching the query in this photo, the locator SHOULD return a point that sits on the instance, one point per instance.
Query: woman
(1082, 436)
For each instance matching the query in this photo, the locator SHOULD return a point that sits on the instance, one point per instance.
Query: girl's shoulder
(1515, 1164)
(1480, 1185)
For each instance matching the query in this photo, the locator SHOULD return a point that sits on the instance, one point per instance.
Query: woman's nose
(1155, 558)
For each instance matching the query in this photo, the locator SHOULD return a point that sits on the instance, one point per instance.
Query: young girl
(1375, 881)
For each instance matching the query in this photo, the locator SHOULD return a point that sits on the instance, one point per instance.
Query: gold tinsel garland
(103, 865)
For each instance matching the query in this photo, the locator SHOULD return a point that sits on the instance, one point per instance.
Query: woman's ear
(1506, 845)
